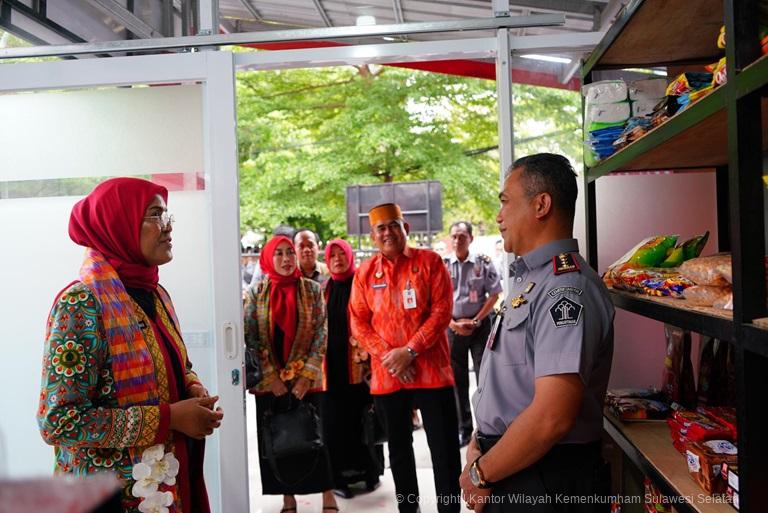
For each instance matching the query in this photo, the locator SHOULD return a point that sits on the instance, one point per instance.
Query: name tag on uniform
(379, 285)
(474, 297)
(491, 342)
(409, 299)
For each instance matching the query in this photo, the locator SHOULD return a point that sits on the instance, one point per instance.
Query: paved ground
(381, 500)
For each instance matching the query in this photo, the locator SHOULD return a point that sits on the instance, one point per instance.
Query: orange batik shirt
(380, 320)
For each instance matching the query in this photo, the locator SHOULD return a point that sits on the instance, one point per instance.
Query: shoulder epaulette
(565, 263)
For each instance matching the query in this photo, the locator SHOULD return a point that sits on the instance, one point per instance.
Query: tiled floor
(381, 500)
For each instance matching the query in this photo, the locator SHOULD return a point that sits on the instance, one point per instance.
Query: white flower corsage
(156, 467)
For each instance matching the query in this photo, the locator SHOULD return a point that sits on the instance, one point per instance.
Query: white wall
(107, 132)
(629, 209)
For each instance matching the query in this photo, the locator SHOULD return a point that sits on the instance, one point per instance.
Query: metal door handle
(229, 335)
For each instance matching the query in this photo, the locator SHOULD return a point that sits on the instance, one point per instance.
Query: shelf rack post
(747, 232)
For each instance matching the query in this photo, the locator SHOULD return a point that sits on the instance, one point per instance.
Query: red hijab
(109, 220)
(347, 249)
(282, 294)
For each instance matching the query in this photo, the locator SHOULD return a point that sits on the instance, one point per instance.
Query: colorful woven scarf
(132, 366)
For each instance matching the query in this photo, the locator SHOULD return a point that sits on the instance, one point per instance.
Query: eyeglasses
(164, 220)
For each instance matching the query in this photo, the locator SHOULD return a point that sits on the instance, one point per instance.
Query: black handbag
(293, 430)
(252, 369)
(373, 434)
(373, 430)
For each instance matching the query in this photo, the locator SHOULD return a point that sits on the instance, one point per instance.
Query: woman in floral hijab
(118, 391)
(285, 328)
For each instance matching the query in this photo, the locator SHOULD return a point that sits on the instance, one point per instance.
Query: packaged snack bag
(677, 380)
(707, 270)
(653, 251)
(705, 295)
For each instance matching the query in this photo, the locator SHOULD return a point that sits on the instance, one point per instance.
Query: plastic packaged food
(705, 461)
(693, 247)
(674, 257)
(690, 81)
(725, 302)
(636, 403)
(648, 89)
(639, 409)
(641, 108)
(724, 415)
(698, 428)
(678, 381)
(605, 91)
(667, 287)
(705, 295)
(707, 270)
(719, 76)
(608, 112)
(653, 251)
(717, 373)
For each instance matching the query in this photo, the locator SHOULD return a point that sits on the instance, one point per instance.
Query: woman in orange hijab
(285, 328)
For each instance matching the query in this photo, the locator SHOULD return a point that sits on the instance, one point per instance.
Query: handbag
(252, 369)
(373, 430)
(292, 431)
(295, 431)
(373, 434)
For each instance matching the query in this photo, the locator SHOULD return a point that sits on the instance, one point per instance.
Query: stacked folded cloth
(606, 111)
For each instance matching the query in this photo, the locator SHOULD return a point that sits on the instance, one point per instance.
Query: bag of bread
(705, 295)
(707, 270)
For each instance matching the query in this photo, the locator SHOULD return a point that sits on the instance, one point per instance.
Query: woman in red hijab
(118, 391)
(348, 369)
(285, 328)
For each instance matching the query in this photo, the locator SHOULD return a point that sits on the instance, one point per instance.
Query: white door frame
(215, 71)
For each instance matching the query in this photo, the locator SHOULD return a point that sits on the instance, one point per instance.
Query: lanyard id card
(409, 297)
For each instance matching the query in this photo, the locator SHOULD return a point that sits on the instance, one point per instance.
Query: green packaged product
(693, 247)
(653, 251)
(674, 258)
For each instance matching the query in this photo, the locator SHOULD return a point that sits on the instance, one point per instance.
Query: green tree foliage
(305, 135)
(8, 40)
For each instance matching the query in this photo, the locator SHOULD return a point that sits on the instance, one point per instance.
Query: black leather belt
(486, 442)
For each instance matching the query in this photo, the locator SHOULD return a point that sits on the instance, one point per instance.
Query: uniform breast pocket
(512, 341)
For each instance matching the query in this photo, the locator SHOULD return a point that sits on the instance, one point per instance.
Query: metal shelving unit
(727, 131)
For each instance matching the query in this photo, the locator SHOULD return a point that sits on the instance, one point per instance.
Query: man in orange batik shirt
(399, 310)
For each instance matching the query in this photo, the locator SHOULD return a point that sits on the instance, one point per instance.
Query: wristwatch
(475, 322)
(476, 475)
(411, 352)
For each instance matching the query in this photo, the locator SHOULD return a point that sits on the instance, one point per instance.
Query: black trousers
(460, 348)
(570, 478)
(438, 413)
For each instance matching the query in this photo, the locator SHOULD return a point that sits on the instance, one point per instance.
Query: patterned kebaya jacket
(79, 413)
(308, 350)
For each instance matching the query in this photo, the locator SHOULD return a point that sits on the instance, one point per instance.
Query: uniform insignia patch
(565, 263)
(378, 274)
(565, 312)
(559, 291)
